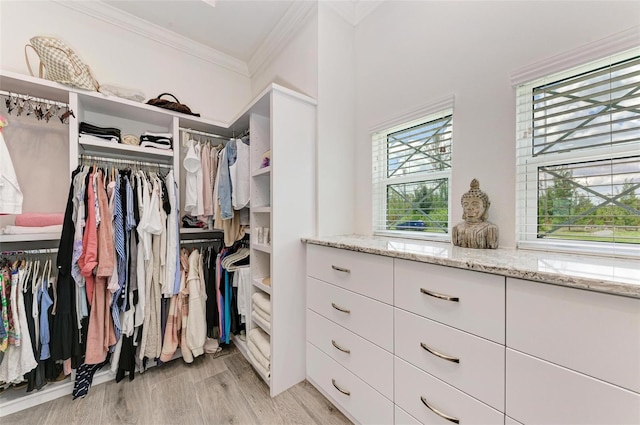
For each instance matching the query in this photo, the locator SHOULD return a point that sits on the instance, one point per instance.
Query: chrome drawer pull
(442, 356)
(439, 413)
(337, 307)
(440, 296)
(345, 392)
(340, 269)
(344, 350)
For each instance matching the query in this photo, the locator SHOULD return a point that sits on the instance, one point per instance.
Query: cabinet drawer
(539, 392)
(414, 388)
(366, 274)
(364, 316)
(369, 362)
(589, 332)
(479, 308)
(403, 418)
(363, 403)
(479, 371)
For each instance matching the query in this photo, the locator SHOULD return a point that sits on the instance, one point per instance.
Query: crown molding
(286, 28)
(131, 23)
(598, 49)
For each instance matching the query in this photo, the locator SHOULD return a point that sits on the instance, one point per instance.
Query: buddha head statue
(475, 204)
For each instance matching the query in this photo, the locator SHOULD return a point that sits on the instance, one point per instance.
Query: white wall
(336, 123)
(122, 57)
(296, 66)
(411, 53)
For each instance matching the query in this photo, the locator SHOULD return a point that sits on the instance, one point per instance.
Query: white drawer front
(369, 362)
(480, 306)
(366, 274)
(364, 316)
(414, 387)
(403, 418)
(539, 392)
(596, 334)
(364, 403)
(480, 368)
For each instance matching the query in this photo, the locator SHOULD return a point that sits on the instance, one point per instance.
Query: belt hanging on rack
(42, 109)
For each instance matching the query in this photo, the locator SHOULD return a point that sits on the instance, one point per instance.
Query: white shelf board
(261, 209)
(257, 282)
(126, 150)
(30, 237)
(261, 171)
(261, 247)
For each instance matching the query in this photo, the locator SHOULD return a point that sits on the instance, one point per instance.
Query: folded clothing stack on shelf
(32, 223)
(191, 222)
(156, 140)
(261, 310)
(93, 133)
(260, 350)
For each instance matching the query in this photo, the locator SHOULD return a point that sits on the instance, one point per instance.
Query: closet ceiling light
(211, 3)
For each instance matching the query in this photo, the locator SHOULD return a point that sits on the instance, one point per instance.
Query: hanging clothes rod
(202, 133)
(91, 158)
(190, 241)
(31, 251)
(36, 99)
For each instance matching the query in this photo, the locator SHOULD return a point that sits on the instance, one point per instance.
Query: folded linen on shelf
(260, 320)
(264, 362)
(25, 230)
(262, 300)
(148, 144)
(261, 340)
(99, 139)
(264, 316)
(94, 130)
(39, 219)
(258, 366)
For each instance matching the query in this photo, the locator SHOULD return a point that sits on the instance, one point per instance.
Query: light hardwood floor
(220, 389)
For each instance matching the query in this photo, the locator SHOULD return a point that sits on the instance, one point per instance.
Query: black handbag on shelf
(168, 104)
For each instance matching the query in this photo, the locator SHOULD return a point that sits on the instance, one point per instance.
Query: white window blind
(578, 158)
(411, 174)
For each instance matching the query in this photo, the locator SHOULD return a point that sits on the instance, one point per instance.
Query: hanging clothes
(10, 194)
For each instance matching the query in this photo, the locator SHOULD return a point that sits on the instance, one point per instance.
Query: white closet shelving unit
(282, 199)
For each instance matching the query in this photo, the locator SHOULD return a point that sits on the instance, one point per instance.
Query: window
(578, 158)
(411, 178)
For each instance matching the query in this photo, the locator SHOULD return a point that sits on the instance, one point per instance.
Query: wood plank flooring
(215, 389)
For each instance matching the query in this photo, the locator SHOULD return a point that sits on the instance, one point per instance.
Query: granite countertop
(609, 275)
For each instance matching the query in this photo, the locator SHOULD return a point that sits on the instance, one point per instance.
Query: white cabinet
(473, 365)
(470, 346)
(573, 356)
(350, 332)
(539, 392)
(589, 332)
(452, 296)
(433, 401)
(283, 123)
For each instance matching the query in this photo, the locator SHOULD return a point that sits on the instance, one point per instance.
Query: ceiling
(234, 27)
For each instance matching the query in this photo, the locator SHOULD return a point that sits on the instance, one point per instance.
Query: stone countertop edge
(609, 286)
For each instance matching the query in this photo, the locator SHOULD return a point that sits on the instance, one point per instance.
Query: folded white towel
(24, 230)
(261, 320)
(92, 138)
(263, 300)
(261, 340)
(264, 362)
(262, 313)
(264, 316)
(256, 364)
